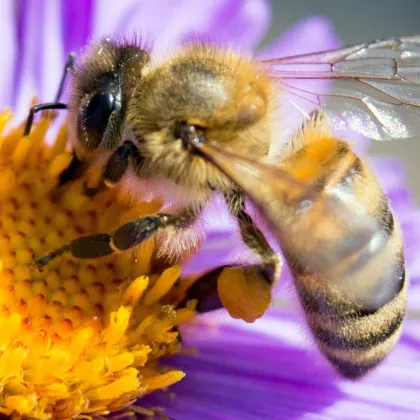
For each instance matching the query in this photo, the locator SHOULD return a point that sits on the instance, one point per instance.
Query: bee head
(101, 89)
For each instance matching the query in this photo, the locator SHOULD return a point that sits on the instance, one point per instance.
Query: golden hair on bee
(205, 122)
(135, 117)
(356, 306)
(220, 91)
(339, 238)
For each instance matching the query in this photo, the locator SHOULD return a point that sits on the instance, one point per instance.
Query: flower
(268, 369)
(78, 337)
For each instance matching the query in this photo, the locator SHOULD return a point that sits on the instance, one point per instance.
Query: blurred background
(360, 21)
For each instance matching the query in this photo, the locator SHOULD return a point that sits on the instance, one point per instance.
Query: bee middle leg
(125, 237)
(128, 235)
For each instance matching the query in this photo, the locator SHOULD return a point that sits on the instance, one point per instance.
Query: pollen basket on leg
(81, 336)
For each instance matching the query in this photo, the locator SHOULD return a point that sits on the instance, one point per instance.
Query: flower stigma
(81, 338)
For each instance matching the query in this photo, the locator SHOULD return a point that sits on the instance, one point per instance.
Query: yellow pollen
(81, 338)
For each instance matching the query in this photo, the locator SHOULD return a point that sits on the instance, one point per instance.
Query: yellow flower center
(82, 337)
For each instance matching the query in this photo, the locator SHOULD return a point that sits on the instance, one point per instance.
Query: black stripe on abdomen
(336, 340)
(352, 370)
(385, 216)
(322, 303)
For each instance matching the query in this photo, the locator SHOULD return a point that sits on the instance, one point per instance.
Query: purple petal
(132, 15)
(270, 370)
(51, 62)
(8, 55)
(309, 35)
(40, 64)
(242, 23)
(169, 22)
(391, 171)
(28, 46)
(414, 300)
(76, 20)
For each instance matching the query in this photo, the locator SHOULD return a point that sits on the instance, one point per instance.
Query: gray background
(359, 21)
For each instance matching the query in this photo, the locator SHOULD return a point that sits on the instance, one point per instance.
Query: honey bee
(206, 121)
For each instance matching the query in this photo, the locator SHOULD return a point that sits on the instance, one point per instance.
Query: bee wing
(375, 89)
(302, 218)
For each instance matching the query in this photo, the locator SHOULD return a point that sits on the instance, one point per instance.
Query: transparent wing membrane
(374, 89)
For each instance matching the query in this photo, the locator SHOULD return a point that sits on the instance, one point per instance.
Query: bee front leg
(127, 236)
(72, 172)
(116, 167)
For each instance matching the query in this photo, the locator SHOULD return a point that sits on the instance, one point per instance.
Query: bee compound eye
(98, 112)
(95, 117)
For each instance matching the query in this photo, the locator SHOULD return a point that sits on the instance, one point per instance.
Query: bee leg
(204, 291)
(76, 167)
(244, 291)
(72, 172)
(127, 236)
(253, 237)
(116, 167)
(50, 105)
(92, 191)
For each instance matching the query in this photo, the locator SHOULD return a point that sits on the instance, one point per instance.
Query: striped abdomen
(339, 237)
(349, 267)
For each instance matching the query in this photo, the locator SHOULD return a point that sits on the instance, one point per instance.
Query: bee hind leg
(253, 238)
(204, 292)
(246, 292)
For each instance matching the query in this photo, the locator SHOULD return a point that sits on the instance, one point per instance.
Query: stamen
(80, 338)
